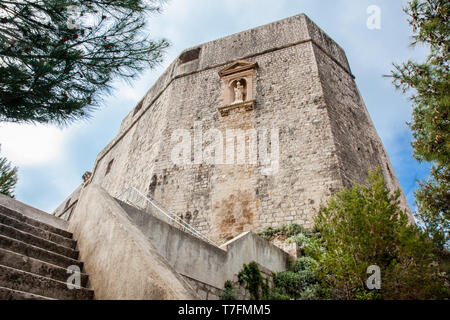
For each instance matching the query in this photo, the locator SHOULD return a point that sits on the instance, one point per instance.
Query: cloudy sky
(52, 160)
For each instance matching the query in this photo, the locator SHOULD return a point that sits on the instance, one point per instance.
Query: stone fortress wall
(303, 87)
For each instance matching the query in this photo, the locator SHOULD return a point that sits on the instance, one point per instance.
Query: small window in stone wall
(190, 55)
(108, 168)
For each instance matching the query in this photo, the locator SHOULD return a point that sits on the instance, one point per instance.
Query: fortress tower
(285, 91)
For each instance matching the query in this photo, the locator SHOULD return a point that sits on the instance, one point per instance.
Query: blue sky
(52, 160)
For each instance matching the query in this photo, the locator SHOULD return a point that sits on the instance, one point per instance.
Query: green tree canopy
(57, 57)
(433, 205)
(429, 80)
(429, 84)
(8, 178)
(364, 226)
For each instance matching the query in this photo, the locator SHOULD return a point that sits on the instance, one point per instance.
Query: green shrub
(229, 293)
(277, 294)
(289, 282)
(294, 229)
(308, 270)
(301, 240)
(268, 233)
(287, 231)
(301, 282)
(368, 295)
(257, 286)
(365, 226)
(312, 292)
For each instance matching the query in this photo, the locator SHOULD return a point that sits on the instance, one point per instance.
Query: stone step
(41, 225)
(35, 252)
(44, 234)
(10, 294)
(38, 285)
(36, 241)
(31, 265)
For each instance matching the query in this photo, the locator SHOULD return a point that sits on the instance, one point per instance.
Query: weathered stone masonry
(303, 87)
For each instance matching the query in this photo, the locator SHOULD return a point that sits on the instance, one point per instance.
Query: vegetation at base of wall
(287, 231)
(257, 286)
(360, 227)
(229, 292)
(301, 281)
(365, 226)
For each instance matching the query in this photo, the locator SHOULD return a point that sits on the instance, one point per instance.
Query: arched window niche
(238, 81)
(238, 90)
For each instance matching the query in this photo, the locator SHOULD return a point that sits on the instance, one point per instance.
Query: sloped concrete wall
(201, 261)
(122, 264)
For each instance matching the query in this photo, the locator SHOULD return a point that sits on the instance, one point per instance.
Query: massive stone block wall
(304, 89)
(358, 146)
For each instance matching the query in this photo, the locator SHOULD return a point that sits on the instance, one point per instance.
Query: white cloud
(31, 145)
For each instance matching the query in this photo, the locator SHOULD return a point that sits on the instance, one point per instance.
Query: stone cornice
(247, 105)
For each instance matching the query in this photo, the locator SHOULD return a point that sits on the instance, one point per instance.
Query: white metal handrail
(137, 199)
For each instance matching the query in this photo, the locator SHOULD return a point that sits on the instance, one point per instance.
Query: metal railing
(137, 199)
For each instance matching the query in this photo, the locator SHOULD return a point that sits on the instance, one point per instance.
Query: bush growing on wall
(229, 292)
(257, 286)
(301, 281)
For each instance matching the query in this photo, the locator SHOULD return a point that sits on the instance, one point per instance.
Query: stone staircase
(34, 258)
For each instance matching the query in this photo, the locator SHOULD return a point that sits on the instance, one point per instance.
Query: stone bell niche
(238, 82)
